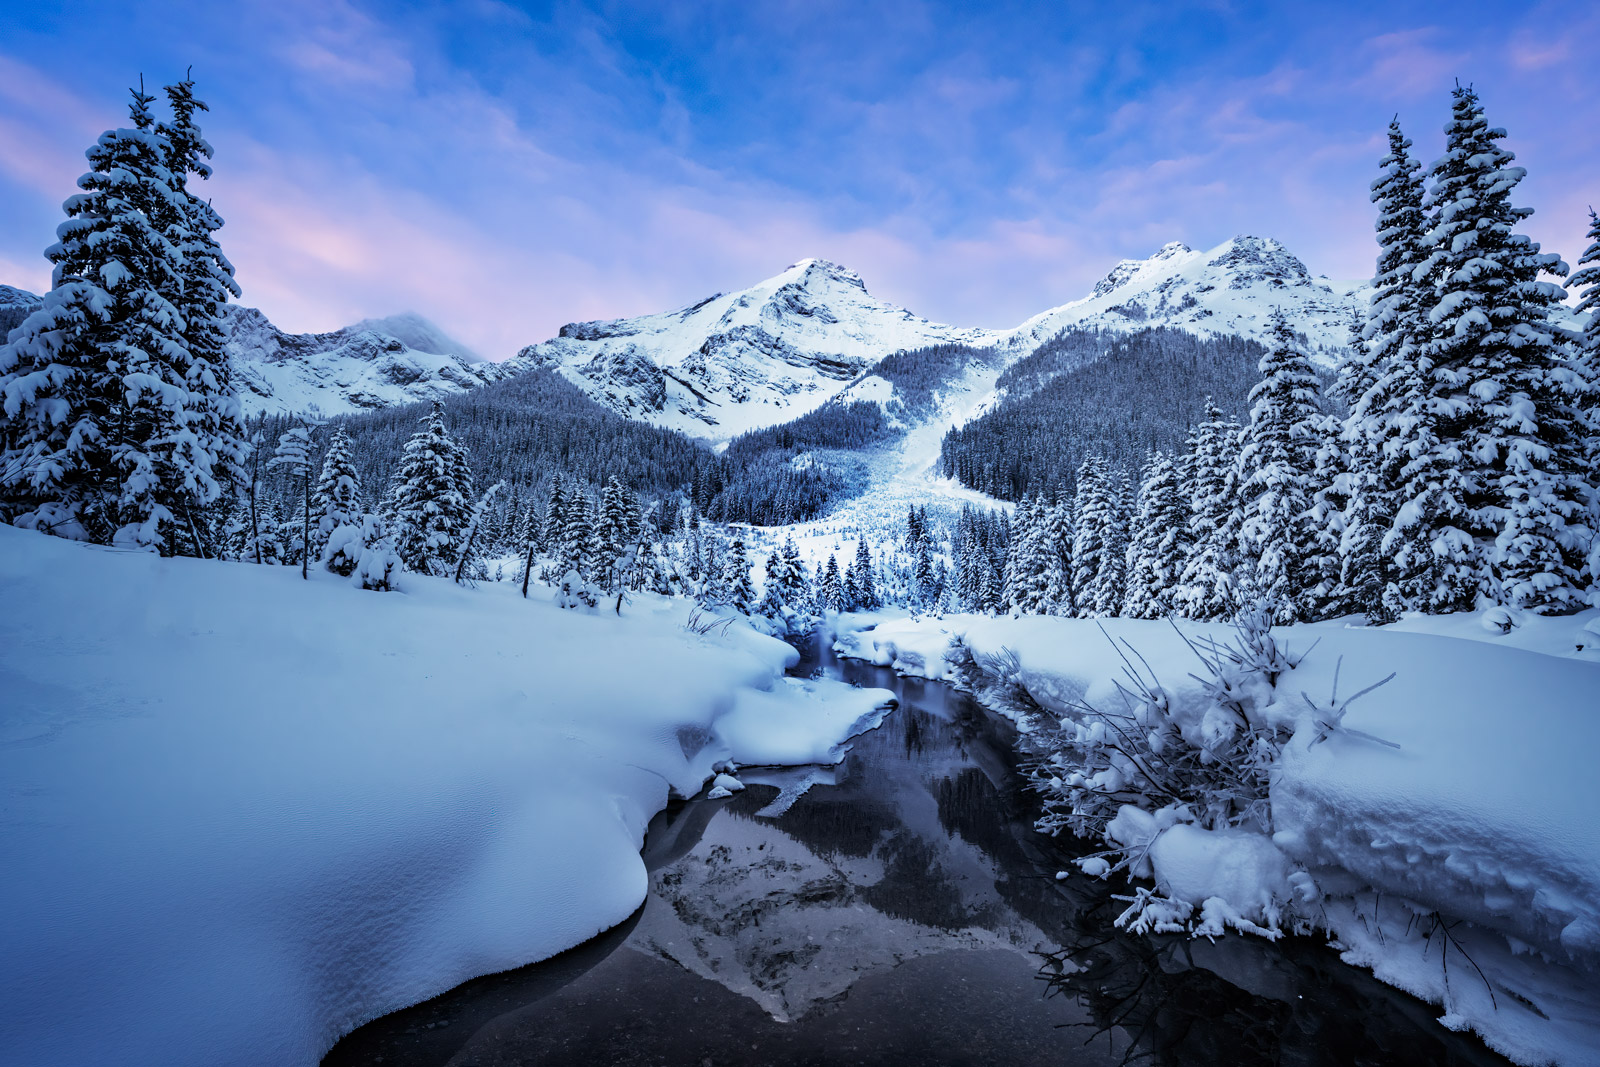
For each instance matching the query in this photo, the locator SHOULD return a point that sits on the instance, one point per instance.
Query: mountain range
(738, 361)
(779, 349)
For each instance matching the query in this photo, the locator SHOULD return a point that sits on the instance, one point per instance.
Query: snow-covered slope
(376, 363)
(352, 369)
(1230, 289)
(15, 305)
(737, 361)
(245, 813)
(767, 354)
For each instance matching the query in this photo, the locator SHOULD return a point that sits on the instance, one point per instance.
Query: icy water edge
(899, 910)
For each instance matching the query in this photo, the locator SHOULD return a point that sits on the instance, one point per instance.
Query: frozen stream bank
(901, 911)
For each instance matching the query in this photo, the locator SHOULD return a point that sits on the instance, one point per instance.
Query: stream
(898, 909)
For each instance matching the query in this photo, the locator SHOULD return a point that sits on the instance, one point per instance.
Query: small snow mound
(1498, 620)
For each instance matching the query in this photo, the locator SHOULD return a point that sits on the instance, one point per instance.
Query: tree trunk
(527, 570)
(305, 533)
(255, 526)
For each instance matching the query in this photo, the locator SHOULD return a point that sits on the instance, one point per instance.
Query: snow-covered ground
(1472, 845)
(245, 813)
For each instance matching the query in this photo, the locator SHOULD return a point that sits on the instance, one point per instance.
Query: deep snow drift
(246, 813)
(1474, 844)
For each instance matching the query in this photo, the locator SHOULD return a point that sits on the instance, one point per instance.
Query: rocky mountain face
(15, 305)
(1230, 289)
(376, 363)
(357, 368)
(767, 354)
(737, 361)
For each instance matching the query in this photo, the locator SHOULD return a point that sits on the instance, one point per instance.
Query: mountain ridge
(738, 361)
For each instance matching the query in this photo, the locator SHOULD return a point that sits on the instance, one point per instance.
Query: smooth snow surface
(1486, 812)
(246, 813)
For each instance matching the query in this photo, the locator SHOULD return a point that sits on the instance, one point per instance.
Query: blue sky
(504, 169)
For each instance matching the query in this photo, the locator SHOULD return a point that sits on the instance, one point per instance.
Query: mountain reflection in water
(899, 909)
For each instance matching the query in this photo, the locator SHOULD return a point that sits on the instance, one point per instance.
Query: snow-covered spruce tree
(574, 550)
(1379, 386)
(336, 502)
(1586, 280)
(1160, 547)
(866, 585)
(1099, 545)
(612, 535)
(90, 406)
(1508, 517)
(772, 606)
(1207, 590)
(740, 590)
(830, 588)
(1275, 465)
(555, 517)
(1055, 542)
(214, 431)
(430, 498)
(295, 455)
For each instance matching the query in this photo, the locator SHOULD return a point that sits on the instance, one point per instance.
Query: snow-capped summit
(1229, 289)
(15, 305)
(376, 363)
(772, 352)
(735, 361)
(373, 364)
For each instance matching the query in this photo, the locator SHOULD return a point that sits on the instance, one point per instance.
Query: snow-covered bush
(362, 551)
(575, 592)
(1188, 777)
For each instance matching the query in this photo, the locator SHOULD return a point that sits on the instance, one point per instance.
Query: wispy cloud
(505, 171)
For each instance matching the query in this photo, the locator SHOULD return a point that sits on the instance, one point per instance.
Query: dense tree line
(1450, 466)
(917, 373)
(791, 472)
(1090, 392)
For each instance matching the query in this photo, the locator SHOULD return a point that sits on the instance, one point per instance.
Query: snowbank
(1486, 812)
(246, 813)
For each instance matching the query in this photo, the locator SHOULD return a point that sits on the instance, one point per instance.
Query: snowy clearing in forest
(246, 813)
(1472, 845)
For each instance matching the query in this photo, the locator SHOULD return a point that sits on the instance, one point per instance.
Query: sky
(506, 168)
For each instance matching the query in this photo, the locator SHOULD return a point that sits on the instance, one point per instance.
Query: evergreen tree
(294, 454)
(1586, 281)
(740, 590)
(830, 588)
(430, 499)
(792, 576)
(1056, 544)
(1029, 590)
(1275, 462)
(555, 517)
(575, 547)
(214, 427)
(1159, 547)
(1507, 514)
(613, 534)
(1098, 545)
(866, 586)
(337, 502)
(1207, 589)
(90, 407)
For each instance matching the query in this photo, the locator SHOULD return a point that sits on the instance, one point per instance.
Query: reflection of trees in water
(1158, 1000)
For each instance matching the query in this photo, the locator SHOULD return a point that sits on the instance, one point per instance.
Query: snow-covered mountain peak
(1229, 289)
(739, 360)
(373, 364)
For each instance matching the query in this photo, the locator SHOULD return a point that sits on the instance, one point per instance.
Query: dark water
(901, 911)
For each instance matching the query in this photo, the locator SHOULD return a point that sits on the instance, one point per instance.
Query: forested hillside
(762, 479)
(524, 431)
(1088, 392)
